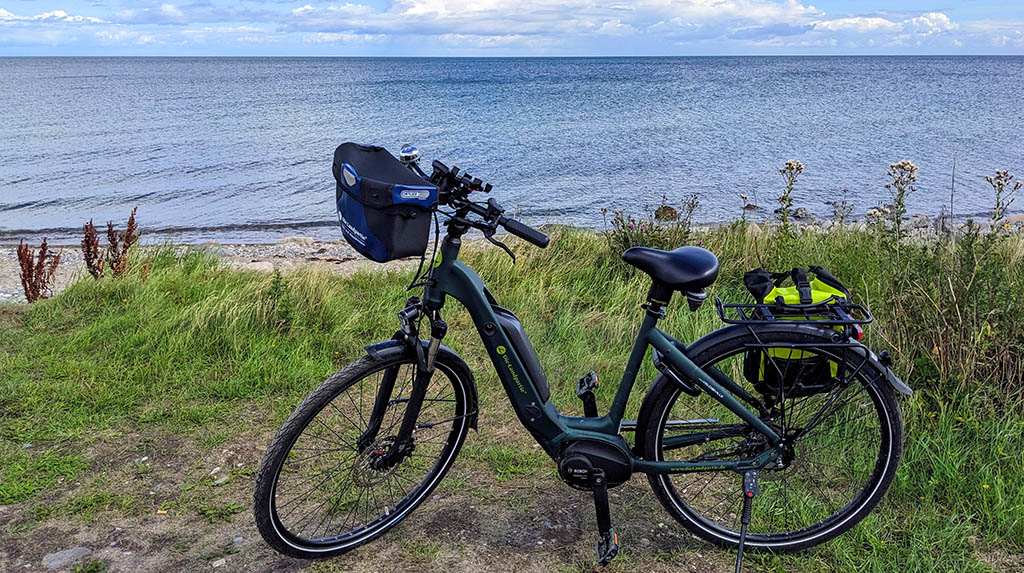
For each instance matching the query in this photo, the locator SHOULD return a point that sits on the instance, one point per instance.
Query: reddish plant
(37, 271)
(91, 250)
(121, 244)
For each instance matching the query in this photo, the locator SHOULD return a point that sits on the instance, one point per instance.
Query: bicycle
(369, 445)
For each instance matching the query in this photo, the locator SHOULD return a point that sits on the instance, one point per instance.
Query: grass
(196, 350)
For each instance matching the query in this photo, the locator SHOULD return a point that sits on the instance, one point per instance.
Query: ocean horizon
(238, 149)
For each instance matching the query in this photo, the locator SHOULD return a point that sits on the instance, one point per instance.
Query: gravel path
(287, 254)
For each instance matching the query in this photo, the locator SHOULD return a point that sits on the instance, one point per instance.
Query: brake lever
(489, 235)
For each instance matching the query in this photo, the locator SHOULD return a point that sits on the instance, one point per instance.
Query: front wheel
(842, 427)
(321, 490)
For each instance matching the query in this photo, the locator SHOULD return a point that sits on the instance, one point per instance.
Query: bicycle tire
(680, 502)
(269, 521)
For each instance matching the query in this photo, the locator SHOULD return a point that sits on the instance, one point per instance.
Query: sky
(508, 28)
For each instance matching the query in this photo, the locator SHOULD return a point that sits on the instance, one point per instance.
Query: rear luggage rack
(833, 311)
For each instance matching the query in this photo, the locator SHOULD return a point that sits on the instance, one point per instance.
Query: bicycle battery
(517, 337)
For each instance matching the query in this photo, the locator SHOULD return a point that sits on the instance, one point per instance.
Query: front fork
(403, 443)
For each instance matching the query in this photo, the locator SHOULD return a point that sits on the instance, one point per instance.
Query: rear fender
(811, 330)
(897, 384)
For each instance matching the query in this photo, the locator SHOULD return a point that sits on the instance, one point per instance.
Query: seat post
(659, 294)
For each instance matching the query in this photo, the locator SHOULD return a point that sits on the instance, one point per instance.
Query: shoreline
(328, 232)
(289, 253)
(338, 257)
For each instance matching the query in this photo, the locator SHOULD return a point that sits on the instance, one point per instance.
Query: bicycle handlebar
(524, 232)
(454, 185)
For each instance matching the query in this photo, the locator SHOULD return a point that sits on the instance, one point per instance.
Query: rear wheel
(320, 492)
(843, 431)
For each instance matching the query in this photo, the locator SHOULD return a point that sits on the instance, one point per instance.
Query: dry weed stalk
(121, 244)
(37, 271)
(91, 250)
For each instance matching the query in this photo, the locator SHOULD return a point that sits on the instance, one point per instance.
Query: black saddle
(686, 269)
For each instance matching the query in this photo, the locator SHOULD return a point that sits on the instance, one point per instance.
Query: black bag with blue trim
(383, 207)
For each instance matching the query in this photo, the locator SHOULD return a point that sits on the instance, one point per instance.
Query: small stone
(666, 213)
(920, 222)
(214, 471)
(238, 539)
(222, 480)
(219, 563)
(548, 524)
(64, 558)
(26, 446)
(305, 241)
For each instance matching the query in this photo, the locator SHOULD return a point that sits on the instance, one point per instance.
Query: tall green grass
(186, 344)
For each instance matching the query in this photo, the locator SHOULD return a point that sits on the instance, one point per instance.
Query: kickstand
(750, 489)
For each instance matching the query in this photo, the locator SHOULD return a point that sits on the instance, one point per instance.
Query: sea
(239, 149)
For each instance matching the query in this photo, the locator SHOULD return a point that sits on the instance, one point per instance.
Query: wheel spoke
(329, 490)
(834, 459)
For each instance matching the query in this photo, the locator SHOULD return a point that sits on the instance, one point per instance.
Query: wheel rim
(835, 467)
(327, 493)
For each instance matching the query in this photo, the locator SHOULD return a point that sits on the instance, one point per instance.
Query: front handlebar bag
(383, 207)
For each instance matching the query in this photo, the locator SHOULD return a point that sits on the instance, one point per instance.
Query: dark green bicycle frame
(542, 418)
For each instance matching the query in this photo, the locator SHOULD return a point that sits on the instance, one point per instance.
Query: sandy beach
(289, 253)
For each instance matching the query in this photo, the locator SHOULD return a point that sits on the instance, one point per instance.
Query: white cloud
(500, 26)
(932, 23)
(51, 16)
(340, 38)
(860, 25)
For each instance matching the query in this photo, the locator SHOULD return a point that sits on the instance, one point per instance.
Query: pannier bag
(796, 373)
(383, 207)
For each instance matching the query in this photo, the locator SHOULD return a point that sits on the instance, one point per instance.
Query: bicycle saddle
(683, 269)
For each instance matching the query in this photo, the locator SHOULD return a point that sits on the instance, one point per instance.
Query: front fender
(445, 356)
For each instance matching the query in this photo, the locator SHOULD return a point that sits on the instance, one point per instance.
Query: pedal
(607, 547)
(585, 391)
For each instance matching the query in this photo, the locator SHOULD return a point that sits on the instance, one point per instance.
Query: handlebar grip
(525, 232)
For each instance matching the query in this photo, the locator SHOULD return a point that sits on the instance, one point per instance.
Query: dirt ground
(160, 502)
